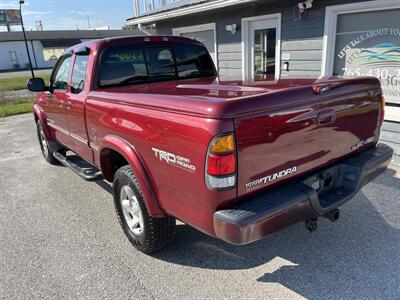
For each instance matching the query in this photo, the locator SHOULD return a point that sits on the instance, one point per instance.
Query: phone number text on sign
(389, 78)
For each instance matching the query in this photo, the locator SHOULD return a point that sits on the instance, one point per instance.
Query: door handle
(68, 105)
(49, 97)
(326, 117)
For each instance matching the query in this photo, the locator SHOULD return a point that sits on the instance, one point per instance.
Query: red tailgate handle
(326, 117)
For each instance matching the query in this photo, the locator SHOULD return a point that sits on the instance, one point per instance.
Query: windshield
(137, 64)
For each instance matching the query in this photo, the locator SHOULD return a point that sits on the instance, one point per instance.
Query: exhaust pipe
(333, 215)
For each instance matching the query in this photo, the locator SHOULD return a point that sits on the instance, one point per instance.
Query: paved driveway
(59, 237)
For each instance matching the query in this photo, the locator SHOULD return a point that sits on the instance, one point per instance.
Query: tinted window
(119, 64)
(135, 64)
(60, 78)
(79, 73)
(160, 62)
(193, 60)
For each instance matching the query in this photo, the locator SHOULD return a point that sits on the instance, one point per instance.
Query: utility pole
(88, 21)
(137, 11)
(26, 43)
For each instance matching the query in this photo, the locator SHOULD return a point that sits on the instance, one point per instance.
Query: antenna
(88, 21)
(39, 25)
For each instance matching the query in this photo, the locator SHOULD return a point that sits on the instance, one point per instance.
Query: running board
(88, 172)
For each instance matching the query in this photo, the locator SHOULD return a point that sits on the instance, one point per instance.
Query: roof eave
(183, 11)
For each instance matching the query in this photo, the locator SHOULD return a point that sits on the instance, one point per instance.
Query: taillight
(222, 144)
(221, 163)
(382, 109)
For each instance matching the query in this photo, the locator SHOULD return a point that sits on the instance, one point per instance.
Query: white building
(45, 46)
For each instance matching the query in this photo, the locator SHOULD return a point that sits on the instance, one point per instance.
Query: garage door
(368, 43)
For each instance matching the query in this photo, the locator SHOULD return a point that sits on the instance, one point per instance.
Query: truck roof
(143, 39)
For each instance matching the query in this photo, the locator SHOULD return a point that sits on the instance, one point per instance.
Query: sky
(71, 14)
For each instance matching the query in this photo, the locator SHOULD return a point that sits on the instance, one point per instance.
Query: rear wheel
(44, 145)
(146, 234)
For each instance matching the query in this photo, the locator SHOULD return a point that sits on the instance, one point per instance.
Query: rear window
(192, 60)
(137, 64)
(79, 73)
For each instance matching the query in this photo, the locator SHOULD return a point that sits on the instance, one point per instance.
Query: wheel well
(110, 162)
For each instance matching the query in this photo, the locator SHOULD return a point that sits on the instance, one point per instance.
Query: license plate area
(333, 184)
(323, 182)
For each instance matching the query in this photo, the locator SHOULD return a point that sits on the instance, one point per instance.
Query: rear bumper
(257, 217)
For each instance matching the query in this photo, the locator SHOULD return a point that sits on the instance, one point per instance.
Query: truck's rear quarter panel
(180, 192)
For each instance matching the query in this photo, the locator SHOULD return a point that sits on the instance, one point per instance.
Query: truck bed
(213, 98)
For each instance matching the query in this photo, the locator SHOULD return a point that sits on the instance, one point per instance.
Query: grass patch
(15, 106)
(18, 83)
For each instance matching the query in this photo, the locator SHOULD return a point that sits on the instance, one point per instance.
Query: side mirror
(36, 85)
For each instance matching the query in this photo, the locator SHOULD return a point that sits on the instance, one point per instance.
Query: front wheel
(146, 234)
(44, 145)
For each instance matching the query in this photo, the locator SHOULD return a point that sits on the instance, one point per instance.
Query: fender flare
(40, 115)
(131, 155)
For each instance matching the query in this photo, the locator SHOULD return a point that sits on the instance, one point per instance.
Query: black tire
(44, 146)
(156, 232)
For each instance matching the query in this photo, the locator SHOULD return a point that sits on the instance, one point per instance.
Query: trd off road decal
(175, 160)
(270, 178)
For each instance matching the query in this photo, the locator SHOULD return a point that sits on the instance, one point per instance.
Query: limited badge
(362, 143)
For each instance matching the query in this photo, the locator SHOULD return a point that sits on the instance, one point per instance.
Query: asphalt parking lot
(59, 237)
(38, 72)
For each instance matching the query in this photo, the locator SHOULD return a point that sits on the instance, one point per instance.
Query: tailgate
(306, 131)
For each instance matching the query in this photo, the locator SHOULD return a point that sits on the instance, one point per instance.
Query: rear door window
(79, 73)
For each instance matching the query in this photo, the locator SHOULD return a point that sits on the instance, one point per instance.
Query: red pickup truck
(236, 160)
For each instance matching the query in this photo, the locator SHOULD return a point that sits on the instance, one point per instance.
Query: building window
(363, 38)
(52, 54)
(368, 44)
(13, 56)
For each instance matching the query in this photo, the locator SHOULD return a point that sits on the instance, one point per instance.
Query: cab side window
(79, 73)
(60, 77)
